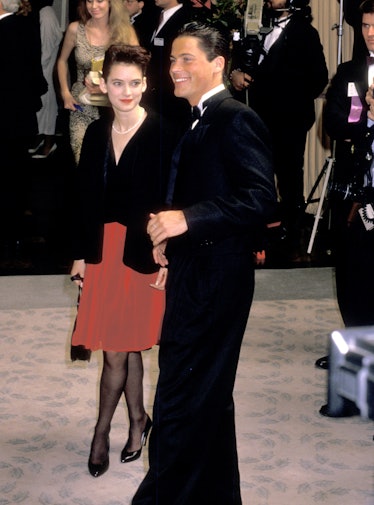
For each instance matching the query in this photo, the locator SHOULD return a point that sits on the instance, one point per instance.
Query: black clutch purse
(78, 352)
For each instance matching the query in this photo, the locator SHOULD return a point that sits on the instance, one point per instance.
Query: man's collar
(209, 94)
(169, 12)
(2, 16)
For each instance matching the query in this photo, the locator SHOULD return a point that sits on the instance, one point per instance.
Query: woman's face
(125, 86)
(98, 8)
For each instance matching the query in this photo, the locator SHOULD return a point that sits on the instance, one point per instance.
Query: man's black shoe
(322, 363)
(349, 410)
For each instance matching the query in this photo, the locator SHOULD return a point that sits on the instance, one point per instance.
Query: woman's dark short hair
(130, 55)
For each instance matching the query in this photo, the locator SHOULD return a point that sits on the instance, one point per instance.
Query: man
(349, 120)
(352, 16)
(142, 16)
(222, 192)
(290, 75)
(21, 87)
(160, 93)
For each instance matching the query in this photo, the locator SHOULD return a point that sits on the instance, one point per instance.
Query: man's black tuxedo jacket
(160, 91)
(225, 180)
(158, 70)
(290, 77)
(23, 82)
(350, 161)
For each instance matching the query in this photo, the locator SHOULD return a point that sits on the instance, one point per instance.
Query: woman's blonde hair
(120, 28)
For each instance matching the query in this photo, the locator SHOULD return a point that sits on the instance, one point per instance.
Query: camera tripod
(326, 171)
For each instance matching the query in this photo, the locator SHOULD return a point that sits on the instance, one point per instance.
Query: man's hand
(166, 224)
(240, 80)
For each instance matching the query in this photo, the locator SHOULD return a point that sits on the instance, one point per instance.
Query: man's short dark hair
(367, 7)
(211, 40)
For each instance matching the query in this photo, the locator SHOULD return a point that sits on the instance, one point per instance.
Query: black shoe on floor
(322, 363)
(349, 410)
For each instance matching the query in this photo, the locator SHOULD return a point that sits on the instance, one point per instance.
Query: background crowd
(34, 227)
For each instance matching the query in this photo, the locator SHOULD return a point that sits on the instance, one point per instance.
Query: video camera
(258, 22)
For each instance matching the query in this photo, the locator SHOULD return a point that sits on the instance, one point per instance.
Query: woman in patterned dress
(100, 24)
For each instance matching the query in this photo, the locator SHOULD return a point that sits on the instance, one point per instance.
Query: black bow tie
(195, 112)
(370, 60)
(280, 22)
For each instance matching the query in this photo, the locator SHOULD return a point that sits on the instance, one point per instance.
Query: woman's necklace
(129, 129)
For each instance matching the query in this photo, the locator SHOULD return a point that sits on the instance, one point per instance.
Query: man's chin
(178, 93)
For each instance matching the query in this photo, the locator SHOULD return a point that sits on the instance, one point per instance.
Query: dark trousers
(14, 187)
(354, 259)
(192, 453)
(288, 155)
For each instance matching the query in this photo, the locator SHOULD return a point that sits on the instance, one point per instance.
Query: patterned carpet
(289, 454)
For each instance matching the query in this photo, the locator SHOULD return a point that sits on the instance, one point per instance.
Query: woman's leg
(135, 401)
(112, 384)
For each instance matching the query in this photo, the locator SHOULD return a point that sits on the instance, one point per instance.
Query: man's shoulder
(182, 15)
(226, 110)
(353, 69)
(301, 27)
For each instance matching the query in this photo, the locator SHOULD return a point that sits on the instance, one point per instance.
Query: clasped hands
(161, 227)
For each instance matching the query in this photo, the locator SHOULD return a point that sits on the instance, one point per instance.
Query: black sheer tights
(122, 372)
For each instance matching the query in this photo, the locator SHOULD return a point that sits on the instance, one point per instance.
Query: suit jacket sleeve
(242, 198)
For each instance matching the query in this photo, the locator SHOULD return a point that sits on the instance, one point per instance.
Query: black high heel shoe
(126, 456)
(98, 469)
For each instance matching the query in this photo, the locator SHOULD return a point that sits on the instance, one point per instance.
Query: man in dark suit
(143, 14)
(21, 87)
(160, 93)
(352, 15)
(291, 74)
(222, 192)
(349, 121)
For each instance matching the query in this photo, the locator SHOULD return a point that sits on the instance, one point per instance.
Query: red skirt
(118, 310)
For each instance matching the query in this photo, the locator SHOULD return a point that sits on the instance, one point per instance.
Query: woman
(121, 179)
(101, 23)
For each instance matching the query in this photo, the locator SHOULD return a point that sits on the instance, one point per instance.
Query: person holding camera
(281, 85)
(349, 121)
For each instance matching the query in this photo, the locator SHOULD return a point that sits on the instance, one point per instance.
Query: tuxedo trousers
(353, 248)
(192, 452)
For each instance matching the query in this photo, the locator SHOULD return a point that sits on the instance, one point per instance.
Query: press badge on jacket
(158, 41)
(352, 90)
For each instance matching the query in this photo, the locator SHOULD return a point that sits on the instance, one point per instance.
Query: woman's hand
(69, 102)
(92, 87)
(77, 272)
(161, 279)
(159, 254)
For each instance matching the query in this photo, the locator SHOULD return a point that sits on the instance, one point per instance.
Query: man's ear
(102, 85)
(219, 64)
